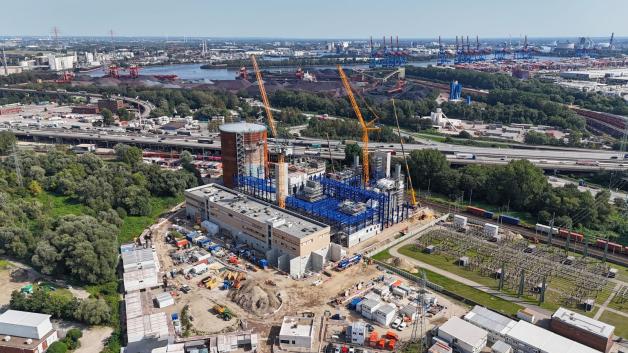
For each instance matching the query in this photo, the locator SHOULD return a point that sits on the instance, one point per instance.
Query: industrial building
(288, 240)
(297, 334)
(463, 336)
(495, 324)
(140, 268)
(145, 330)
(583, 329)
(354, 211)
(525, 337)
(244, 150)
(358, 333)
(26, 332)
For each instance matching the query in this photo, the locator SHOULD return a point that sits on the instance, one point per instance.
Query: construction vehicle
(223, 312)
(346, 263)
(281, 176)
(366, 127)
(405, 160)
(209, 282)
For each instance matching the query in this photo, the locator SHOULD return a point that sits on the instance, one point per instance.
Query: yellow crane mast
(281, 177)
(405, 158)
(366, 127)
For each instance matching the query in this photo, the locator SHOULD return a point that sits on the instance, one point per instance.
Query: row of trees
(517, 186)
(92, 311)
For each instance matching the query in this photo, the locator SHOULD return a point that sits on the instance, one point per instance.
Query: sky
(316, 18)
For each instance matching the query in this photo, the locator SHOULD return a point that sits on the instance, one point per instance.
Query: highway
(145, 106)
(553, 159)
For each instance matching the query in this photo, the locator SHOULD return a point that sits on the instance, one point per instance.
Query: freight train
(545, 229)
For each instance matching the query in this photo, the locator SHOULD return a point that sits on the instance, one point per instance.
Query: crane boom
(281, 177)
(405, 159)
(262, 91)
(363, 124)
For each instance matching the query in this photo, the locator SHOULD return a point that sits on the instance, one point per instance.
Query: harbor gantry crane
(366, 127)
(405, 159)
(281, 176)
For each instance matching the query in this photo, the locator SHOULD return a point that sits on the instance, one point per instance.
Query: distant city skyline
(320, 19)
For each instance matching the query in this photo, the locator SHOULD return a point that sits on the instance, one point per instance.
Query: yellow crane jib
(281, 177)
(366, 127)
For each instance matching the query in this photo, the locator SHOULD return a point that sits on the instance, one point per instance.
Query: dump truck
(223, 312)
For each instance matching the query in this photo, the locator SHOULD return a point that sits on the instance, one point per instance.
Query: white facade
(24, 324)
(495, 324)
(385, 314)
(525, 337)
(491, 230)
(363, 234)
(164, 299)
(358, 332)
(463, 336)
(460, 221)
(368, 307)
(296, 334)
(60, 63)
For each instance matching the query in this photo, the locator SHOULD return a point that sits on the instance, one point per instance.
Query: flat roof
(153, 325)
(464, 331)
(582, 322)
(545, 340)
(242, 127)
(23, 318)
(489, 320)
(137, 256)
(297, 326)
(287, 221)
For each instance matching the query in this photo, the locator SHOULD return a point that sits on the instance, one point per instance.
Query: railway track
(619, 259)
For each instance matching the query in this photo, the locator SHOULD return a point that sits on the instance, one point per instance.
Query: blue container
(354, 303)
(263, 263)
(175, 316)
(488, 214)
(509, 219)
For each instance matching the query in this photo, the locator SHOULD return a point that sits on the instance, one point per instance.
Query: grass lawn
(490, 301)
(620, 323)
(58, 206)
(134, 225)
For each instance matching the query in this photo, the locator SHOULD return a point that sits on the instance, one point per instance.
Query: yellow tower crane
(366, 127)
(281, 177)
(405, 158)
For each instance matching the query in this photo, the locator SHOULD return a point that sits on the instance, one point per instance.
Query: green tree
(464, 134)
(128, 154)
(425, 166)
(107, 117)
(34, 188)
(72, 338)
(57, 347)
(7, 141)
(123, 114)
(93, 311)
(352, 150)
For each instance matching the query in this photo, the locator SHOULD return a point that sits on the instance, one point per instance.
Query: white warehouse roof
(464, 331)
(544, 340)
(24, 324)
(489, 320)
(584, 323)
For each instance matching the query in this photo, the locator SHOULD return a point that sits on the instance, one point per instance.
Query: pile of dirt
(258, 300)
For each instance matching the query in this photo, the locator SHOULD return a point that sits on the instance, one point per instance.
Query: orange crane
(281, 177)
(405, 159)
(366, 127)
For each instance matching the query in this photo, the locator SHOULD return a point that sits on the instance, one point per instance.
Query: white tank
(491, 230)
(460, 221)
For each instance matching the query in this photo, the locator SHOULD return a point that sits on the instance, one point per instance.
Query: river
(194, 72)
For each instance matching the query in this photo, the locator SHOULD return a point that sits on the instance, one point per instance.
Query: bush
(72, 338)
(58, 347)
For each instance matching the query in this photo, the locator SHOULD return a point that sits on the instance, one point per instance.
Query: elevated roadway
(145, 107)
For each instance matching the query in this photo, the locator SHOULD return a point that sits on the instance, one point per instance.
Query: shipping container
(509, 219)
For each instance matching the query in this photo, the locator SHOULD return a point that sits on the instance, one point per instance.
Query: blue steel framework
(385, 213)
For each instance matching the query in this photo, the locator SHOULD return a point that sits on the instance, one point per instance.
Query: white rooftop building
(495, 324)
(296, 334)
(525, 337)
(23, 331)
(462, 335)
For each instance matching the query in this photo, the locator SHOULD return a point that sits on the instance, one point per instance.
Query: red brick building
(582, 329)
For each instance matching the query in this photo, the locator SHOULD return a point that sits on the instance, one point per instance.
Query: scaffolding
(383, 208)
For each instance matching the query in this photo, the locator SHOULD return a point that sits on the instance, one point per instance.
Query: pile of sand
(256, 299)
